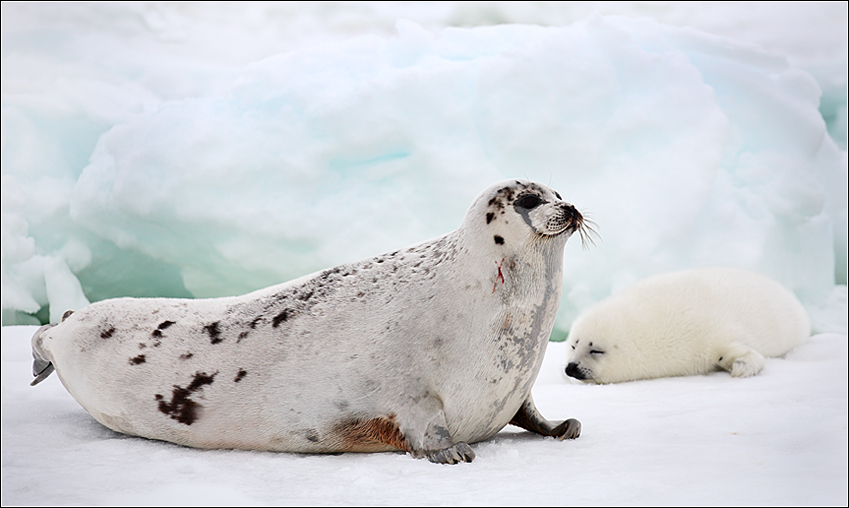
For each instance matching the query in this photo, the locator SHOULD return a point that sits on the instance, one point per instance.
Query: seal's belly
(171, 372)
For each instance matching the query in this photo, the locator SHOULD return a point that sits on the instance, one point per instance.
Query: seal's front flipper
(529, 418)
(41, 366)
(460, 452)
(431, 438)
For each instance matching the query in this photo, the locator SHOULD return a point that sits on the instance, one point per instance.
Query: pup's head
(603, 348)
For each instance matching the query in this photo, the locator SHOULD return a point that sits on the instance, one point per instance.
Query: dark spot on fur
(137, 360)
(186, 356)
(312, 436)
(279, 318)
(157, 335)
(201, 379)
(214, 332)
(241, 374)
(498, 240)
(105, 334)
(489, 217)
(242, 335)
(181, 407)
(558, 195)
(165, 324)
(254, 322)
(720, 358)
(306, 296)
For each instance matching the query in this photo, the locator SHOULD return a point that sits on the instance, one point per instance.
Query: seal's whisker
(589, 234)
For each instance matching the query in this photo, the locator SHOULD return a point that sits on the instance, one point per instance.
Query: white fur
(685, 323)
(441, 341)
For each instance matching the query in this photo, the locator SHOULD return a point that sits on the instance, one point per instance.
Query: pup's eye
(596, 352)
(528, 201)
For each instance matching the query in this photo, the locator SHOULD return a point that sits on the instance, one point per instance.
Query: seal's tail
(41, 366)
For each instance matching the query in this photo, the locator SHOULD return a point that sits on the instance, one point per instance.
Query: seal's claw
(460, 452)
(569, 429)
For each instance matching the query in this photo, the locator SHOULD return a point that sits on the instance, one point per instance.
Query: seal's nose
(572, 371)
(572, 214)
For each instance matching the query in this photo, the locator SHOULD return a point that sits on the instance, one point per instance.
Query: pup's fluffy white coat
(684, 323)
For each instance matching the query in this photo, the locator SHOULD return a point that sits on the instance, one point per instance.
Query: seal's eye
(528, 201)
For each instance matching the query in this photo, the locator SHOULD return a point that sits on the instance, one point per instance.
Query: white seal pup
(684, 323)
(423, 350)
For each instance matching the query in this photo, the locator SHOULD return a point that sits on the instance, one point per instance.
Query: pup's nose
(572, 371)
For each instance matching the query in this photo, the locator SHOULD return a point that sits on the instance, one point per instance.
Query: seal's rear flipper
(40, 375)
(41, 367)
(529, 418)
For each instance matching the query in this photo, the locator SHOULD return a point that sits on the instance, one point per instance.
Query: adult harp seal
(425, 349)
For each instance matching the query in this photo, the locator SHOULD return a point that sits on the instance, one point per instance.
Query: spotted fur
(424, 349)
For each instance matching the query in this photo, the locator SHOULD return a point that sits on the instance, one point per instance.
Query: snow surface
(779, 438)
(208, 149)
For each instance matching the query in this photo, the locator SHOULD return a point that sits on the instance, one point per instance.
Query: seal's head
(521, 212)
(588, 355)
(609, 343)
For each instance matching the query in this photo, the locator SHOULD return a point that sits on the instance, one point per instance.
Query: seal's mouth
(570, 220)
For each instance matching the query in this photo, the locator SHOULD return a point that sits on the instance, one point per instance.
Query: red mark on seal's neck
(500, 275)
